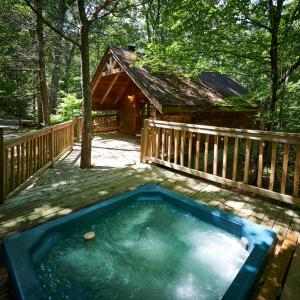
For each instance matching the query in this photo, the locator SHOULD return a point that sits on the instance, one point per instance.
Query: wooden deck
(66, 188)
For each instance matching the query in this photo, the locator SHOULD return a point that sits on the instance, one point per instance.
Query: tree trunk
(275, 17)
(38, 103)
(68, 64)
(54, 86)
(86, 143)
(41, 62)
(39, 111)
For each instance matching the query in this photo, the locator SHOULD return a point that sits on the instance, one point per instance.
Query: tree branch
(291, 69)
(46, 22)
(104, 5)
(255, 23)
(292, 19)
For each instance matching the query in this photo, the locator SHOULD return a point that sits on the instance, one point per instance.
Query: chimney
(131, 48)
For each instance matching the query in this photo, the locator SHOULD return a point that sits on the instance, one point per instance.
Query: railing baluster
(163, 134)
(273, 166)
(43, 149)
(18, 177)
(215, 162)
(176, 143)
(46, 149)
(30, 157)
(153, 141)
(247, 160)
(235, 158)
(197, 158)
(34, 155)
(28, 161)
(297, 172)
(260, 163)
(182, 146)
(284, 168)
(169, 144)
(23, 162)
(150, 142)
(190, 137)
(58, 141)
(206, 153)
(225, 150)
(40, 158)
(157, 142)
(12, 168)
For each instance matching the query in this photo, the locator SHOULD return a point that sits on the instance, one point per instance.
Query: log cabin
(137, 93)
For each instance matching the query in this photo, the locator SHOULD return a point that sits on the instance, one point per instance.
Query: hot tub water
(143, 250)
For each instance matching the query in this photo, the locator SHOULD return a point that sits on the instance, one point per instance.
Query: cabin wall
(182, 118)
(232, 119)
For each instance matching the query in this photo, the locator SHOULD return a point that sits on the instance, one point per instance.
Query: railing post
(51, 146)
(72, 134)
(2, 168)
(142, 156)
(144, 142)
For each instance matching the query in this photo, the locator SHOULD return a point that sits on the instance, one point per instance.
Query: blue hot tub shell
(24, 249)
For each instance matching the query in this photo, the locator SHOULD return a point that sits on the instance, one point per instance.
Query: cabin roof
(165, 90)
(223, 84)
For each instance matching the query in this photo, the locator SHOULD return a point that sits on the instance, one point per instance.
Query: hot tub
(150, 243)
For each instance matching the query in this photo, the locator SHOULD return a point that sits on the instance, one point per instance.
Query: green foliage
(231, 37)
(56, 119)
(68, 109)
(104, 112)
(16, 60)
(185, 36)
(288, 109)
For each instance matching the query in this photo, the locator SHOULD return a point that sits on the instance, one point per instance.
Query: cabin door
(142, 106)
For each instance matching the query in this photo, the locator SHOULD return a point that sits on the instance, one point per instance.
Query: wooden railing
(105, 123)
(261, 162)
(26, 157)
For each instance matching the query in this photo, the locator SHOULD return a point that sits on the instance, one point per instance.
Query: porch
(116, 168)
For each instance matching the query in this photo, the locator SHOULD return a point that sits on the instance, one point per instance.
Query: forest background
(50, 50)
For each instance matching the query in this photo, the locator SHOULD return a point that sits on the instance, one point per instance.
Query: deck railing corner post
(142, 157)
(144, 141)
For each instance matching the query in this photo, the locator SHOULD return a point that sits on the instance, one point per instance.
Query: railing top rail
(280, 137)
(37, 133)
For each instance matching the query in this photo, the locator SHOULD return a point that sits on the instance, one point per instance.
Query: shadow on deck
(115, 157)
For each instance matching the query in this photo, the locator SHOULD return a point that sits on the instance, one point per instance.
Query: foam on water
(143, 251)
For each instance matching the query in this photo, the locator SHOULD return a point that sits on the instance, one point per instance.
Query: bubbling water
(144, 250)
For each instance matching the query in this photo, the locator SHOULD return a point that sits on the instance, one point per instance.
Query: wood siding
(232, 119)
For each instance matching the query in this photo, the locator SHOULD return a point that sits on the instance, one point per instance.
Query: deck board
(291, 289)
(66, 188)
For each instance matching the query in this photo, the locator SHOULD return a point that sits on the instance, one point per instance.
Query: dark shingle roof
(223, 84)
